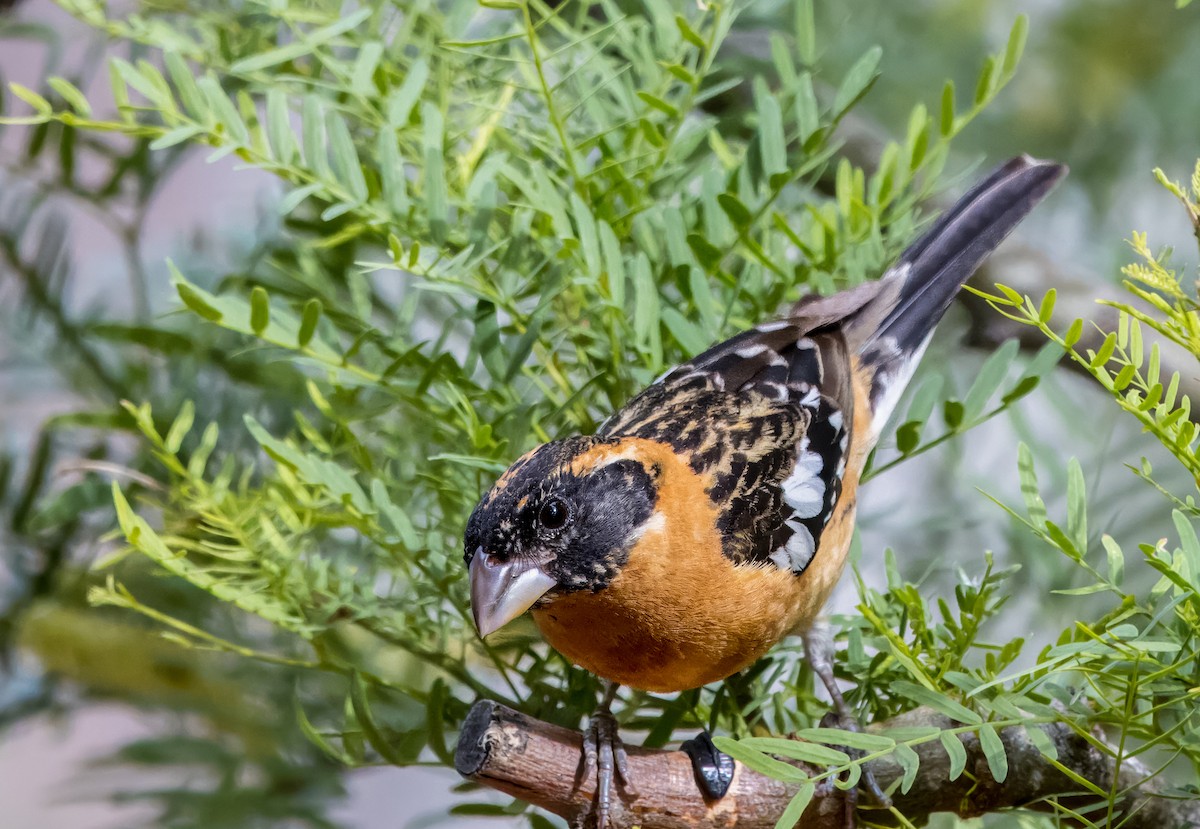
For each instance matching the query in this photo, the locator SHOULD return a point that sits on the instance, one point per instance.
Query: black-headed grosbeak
(711, 516)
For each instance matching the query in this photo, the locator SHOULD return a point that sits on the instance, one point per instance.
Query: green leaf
(346, 164)
(260, 310)
(175, 136)
(1046, 309)
(1116, 560)
(186, 89)
(818, 755)
(392, 178)
(312, 134)
(1016, 45)
(224, 110)
(1073, 333)
(279, 128)
(645, 299)
(910, 761)
(614, 263)
(685, 332)
(938, 702)
(737, 212)
(658, 103)
(808, 114)
(317, 738)
(946, 121)
(180, 428)
(71, 94)
(956, 752)
(40, 105)
(771, 142)
(795, 809)
(858, 81)
(401, 102)
(993, 751)
(589, 240)
(1029, 486)
(706, 254)
(759, 762)
(308, 322)
(1041, 741)
(362, 75)
(689, 34)
(1076, 505)
(987, 81)
(806, 32)
(366, 721)
(303, 45)
(862, 741)
(436, 208)
(991, 375)
(1189, 543)
(197, 300)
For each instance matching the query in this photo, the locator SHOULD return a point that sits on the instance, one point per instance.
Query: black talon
(713, 767)
(604, 755)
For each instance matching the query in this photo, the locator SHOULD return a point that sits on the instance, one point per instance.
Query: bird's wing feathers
(764, 417)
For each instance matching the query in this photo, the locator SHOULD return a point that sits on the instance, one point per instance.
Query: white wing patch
(806, 490)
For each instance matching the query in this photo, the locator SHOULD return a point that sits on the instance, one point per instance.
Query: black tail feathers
(931, 271)
(893, 321)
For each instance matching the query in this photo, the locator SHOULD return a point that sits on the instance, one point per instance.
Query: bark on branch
(538, 762)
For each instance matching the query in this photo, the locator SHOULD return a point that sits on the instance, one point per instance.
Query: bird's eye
(553, 514)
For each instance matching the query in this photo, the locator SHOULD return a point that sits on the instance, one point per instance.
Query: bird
(711, 516)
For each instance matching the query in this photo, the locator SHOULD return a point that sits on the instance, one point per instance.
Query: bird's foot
(604, 757)
(713, 767)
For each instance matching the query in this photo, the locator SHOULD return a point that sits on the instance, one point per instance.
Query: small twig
(538, 762)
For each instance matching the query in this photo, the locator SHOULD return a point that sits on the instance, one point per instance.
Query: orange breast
(680, 614)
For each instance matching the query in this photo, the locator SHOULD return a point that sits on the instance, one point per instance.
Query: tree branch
(538, 762)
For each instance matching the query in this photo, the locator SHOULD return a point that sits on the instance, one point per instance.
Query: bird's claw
(604, 756)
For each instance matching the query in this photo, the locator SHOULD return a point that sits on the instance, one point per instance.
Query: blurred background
(92, 737)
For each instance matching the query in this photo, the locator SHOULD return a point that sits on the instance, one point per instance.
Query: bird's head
(561, 520)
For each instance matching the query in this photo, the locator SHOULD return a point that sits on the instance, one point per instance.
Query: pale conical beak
(503, 590)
